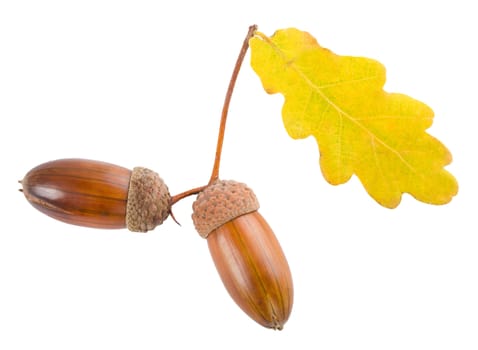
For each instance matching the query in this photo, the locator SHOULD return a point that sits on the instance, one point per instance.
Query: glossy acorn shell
(80, 192)
(253, 268)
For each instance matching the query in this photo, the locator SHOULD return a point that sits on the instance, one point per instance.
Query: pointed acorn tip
(278, 327)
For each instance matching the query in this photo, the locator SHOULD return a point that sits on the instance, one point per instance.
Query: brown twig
(222, 125)
(227, 100)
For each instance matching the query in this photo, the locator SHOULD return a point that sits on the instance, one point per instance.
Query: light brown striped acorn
(98, 194)
(247, 254)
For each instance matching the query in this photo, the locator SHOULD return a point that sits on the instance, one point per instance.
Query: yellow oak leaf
(360, 129)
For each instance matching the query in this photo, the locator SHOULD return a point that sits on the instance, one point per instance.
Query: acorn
(97, 194)
(247, 254)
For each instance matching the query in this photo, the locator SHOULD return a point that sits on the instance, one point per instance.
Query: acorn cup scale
(245, 251)
(98, 194)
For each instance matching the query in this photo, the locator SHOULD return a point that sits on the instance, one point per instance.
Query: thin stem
(176, 198)
(222, 126)
(227, 100)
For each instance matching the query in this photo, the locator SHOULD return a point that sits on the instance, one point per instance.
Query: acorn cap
(148, 201)
(221, 202)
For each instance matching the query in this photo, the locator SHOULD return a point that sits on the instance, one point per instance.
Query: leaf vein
(349, 117)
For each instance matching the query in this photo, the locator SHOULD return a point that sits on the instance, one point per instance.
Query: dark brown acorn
(247, 254)
(98, 194)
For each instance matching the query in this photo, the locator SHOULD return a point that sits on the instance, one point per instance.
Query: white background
(142, 83)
